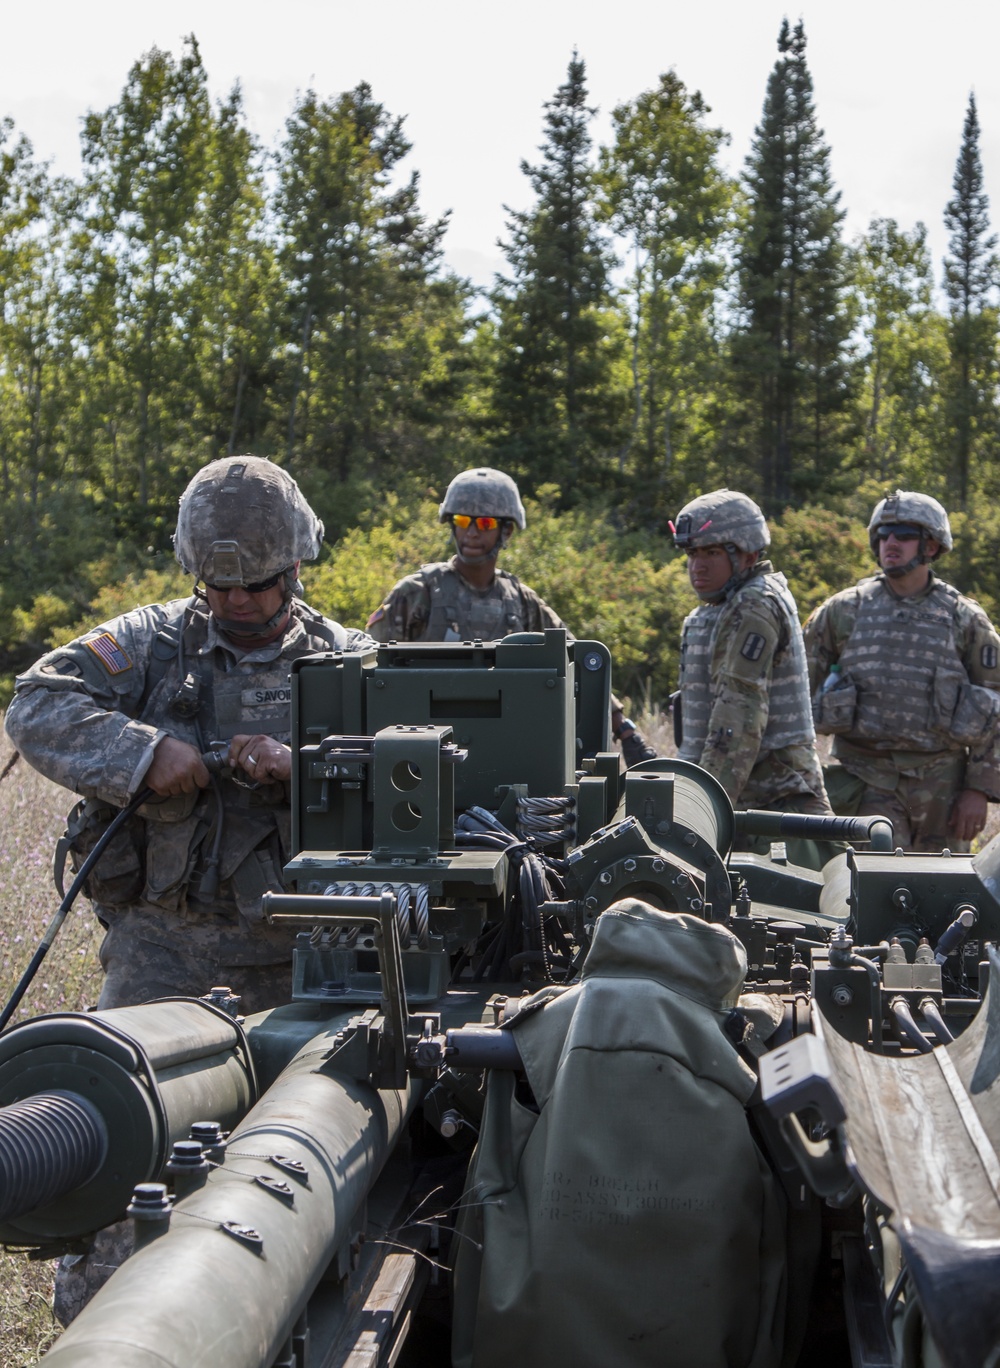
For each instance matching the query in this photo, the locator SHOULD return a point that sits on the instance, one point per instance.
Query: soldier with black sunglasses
(905, 674)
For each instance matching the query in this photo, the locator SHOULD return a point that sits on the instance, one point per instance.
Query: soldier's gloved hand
(177, 768)
(263, 758)
(968, 814)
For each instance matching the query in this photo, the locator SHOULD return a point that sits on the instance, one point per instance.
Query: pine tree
(789, 354)
(666, 195)
(559, 395)
(373, 327)
(147, 165)
(970, 274)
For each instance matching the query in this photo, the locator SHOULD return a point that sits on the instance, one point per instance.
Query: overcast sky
(891, 82)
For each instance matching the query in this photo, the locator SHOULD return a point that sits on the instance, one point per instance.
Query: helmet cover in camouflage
(241, 521)
(906, 508)
(483, 492)
(722, 518)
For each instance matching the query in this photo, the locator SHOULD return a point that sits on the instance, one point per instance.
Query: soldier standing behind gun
(905, 673)
(468, 598)
(744, 691)
(135, 702)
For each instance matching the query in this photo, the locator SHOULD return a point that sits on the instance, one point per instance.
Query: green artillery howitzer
(568, 1076)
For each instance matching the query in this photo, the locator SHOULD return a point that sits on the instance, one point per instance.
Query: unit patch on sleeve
(109, 653)
(753, 647)
(989, 657)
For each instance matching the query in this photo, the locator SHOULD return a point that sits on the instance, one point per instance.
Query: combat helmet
(241, 521)
(244, 523)
(483, 491)
(905, 508)
(723, 518)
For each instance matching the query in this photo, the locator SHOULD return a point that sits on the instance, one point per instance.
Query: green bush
(628, 590)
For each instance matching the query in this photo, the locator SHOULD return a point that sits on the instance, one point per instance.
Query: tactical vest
(160, 854)
(789, 718)
(902, 682)
(459, 612)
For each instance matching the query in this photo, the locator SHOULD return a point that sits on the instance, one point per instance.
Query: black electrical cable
(52, 930)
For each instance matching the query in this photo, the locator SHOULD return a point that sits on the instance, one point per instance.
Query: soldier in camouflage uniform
(905, 673)
(136, 702)
(468, 598)
(743, 688)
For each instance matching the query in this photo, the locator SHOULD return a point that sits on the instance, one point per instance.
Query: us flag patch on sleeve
(753, 647)
(377, 616)
(109, 653)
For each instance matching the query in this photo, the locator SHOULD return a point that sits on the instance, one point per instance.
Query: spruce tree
(970, 273)
(560, 394)
(373, 328)
(789, 354)
(665, 193)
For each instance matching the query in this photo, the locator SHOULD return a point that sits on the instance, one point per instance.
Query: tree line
(660, 326)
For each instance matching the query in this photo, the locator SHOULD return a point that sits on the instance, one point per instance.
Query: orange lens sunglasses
(464, 520)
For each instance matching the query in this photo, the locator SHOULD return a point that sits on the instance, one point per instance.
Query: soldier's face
(709, 567)
(895, 550)
(472, 541)
(239, 605)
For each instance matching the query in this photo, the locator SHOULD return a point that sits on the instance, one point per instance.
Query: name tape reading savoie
(255, 698)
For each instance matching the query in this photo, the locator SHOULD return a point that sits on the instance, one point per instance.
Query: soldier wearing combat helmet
(468, 597)
(136, 702)
(905, 673)
(743, 689)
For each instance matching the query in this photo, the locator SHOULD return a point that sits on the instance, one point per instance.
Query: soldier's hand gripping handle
(177, 767)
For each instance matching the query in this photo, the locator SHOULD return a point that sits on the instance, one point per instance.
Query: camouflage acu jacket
(918, 678)
(439, 604)
(745, 696)
(89, 715)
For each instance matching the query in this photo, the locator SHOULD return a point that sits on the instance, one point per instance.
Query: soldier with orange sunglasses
(468, 597)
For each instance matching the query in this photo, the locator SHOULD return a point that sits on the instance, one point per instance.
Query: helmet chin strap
(251, 631)
(921, 558)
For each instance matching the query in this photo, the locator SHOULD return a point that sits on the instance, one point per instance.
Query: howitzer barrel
(226, 1283)
(49, 1145)
(874, 830)
(147, 1072)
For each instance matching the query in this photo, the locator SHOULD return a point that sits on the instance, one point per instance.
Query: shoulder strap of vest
(164, 649)
(769, 586)
(950, 592)
(319, 626)
(864, 591)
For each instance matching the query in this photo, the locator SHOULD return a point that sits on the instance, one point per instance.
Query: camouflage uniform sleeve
(539, 615)
(359, 641)
(404, 613)
(748, 637)
(824, 634)
(979, 647)
(71, 713)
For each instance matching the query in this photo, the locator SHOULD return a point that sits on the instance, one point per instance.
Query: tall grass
(32, 815)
